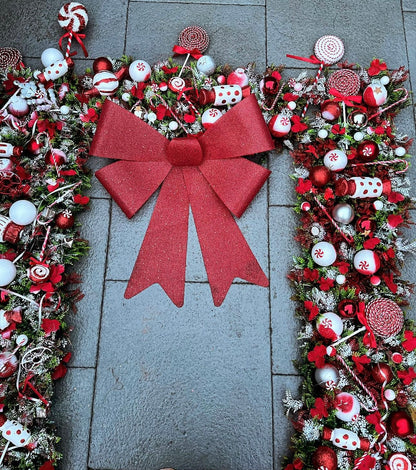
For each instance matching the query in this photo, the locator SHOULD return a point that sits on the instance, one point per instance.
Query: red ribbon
(78, 37)
(311, 59)
(27, 384)
(369, 338)
(179, 50)
(349, 100)
(204, 172)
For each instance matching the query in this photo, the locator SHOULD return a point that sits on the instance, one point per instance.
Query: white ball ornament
(385, 80)
(327, 376)
(210, 117)
(366, 262)
(206, 65)
(347, 406)
(51, 56)
(335, 160)
(324, 254)
(343, 213)
(18, 107)
(322, 133)
(390, 394)
(65, 110)
(151, 117)
(378, 205)
(358, 136)
(173, 125)
(330, 326)
(140, 71)
(23, 212)
(7, 272)
(400, 152)
(105, 82)
(298, 86)
(340, 279)
(291, 105)
(280, 125)
(375, 94)
(125, 97)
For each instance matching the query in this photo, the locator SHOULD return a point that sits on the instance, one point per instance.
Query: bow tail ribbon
(369, 338)
(78, 37)
(311, 60)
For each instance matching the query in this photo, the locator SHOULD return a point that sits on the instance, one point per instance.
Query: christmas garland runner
(357, 408)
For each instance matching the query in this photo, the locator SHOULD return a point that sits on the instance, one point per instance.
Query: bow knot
(184, 151)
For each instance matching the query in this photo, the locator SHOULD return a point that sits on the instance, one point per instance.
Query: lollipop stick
(342, 340)
(4, 452)
(68, 47)
(321, 67)
(344, 113)
(184, 64)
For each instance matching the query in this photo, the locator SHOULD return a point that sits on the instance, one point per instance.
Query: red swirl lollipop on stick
(384, 317)
(73, 17)
(193, 40)
(9, 57)
(344, 83)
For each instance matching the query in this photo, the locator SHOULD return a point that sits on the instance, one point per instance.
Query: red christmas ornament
(34, 147)
(382, 372)
(324, 458)
(401, 424)
(330, 110)
(347, 308)
(65, 219)
(102, 63)
(8, 364)
(368, 150)
(319, 175)
(385, 317)
(270, 85)
(365, 225)
(55, 157)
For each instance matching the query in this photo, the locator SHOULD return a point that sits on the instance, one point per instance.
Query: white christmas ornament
(385, 80)
(375, 94)
(140, 71)
(238, 77)
(327, 376)
(5, 164)
(343, 213)
(335, 160)
(330, 326)
(378, 205)
(366, 262)
(18, 107)
(340, 279)
(50, 56)
(347, 406)
(22, 212)
(324, 254)
(323, 134)
(65, 110)
(7, 272)
(291, 105)
(173, 125)
(106, 83)
(210, 116)
(390, 394)
(206, 65)
(280, 125)
(3, 321)
(15, 433)
(358, 136)
(400, 152)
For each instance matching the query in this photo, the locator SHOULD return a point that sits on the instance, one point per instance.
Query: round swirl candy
(38, 273)
(329, 49)
(177, 84)
(9, 57)
(73, 16)
(399, 462)
(194, 37)
(385, 317)
(346, 81)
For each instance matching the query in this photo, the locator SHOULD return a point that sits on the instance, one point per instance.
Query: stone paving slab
(236, 32)
(213, 2)
(283, 428)
(282, 187)
(410, 27)
(285, 326)
(71, 411)
(188, 388)
(409, 5)
(86, 321)
(294, 27)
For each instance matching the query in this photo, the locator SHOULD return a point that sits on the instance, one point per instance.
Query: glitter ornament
(9, 231)
(238, 77)
(397, 358)
(324, 254)
(51, 56)
(319, 175)
(73, 16)
(210, 117)
(375, 95)
(106, 83)
(345, 81)
(389, 394)
(38, 273)
(65, 219)
(401, 424)
(335, 160)
(347, 406)
(329, 326)
(366, 262)
(358, 136)
(140, 71)
(194, 37)
(385, 317)
(329, 49)
(206, 65)
(399, 461)
(270, 86)
(22, 212)
(327, 376)
(324, 458)
(305, 206)
(102, 64)
(330, 110)
(280, 125)
(375, 281)
(381, 373)
(368, 150)
(9, 58)
(343, 213)
(340, 279)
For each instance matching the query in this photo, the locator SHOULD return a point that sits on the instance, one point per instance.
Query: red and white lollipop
(9, 57)
(344, 82)
(192, 40)
(385, 317)
(73, 17)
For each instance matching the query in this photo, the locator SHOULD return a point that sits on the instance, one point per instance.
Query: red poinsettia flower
(297, 464)
(371, 243)
(312, 149)
(47, 466)
(326, 284)
(394, 220)
(303, 186)
(80, 199)
(310, 274)
(395, 197)
(9, 85)
(390, 253)
(312, 308)
(319, 410)
(360, 361)
(297, 125)
(49, 326)
(380, 130)
(375, 419)
(336, 129)
(317, 355)
(290, 97)
(138, 90)
(90, 116)
(329, 194)
(410, 341)
(407, 376)
(169, 71)
(388, 279)
(343, 266)
(376, 67)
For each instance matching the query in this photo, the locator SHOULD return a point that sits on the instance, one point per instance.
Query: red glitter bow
(349, 100)
(369, 338)
(79, 37)
(179, 50)
(204, 172)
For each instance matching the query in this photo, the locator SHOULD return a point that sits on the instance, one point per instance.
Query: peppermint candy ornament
(73, 16)
(399, 462)
(329, 326)
(345, 81)
(335, 160)
(329, 49)
(210, 117)
(38, 273)
(194, 37)
(366, 262)
(280, 125)
(9, 58)
(324, 254)
(385, 317)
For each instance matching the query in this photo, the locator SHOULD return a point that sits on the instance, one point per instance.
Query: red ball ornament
(401, 424)
(330, 110)
(347, 308)
(324, 458)
(319, 175)
(65, 219)
(101, 64)
(368, 150)
(34, 147)
(382, 372)
(55, 157)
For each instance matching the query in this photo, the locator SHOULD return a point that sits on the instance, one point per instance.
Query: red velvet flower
(410, 341)
(317, 355)
(375, 419)
(328, 194)
(407, 376)
(290, 97)
(360, 361)
(80, 199)
(303, 186)
(319, 411)
(376, 67)
(395, 197)
(325, 284)
(394, 220)
(343, 266)
(47, 466)
(137, 90)
(371, 243)
(310, 274)
(336, 129)
(49, 326)
(91, 116)
(297, 125)
(312, 308)
(169, 71)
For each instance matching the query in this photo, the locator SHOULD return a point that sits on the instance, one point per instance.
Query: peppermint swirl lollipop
(385, 317)
(329, 49)
(73, 16)
(194, 37)
(345, 81)
(38, 273)
(9, 57)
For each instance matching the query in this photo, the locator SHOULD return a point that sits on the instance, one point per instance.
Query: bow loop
(179, 50)
(349, 100)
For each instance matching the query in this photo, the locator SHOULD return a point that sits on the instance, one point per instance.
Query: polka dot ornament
(194, 37)
(345, 81)
(329, 49)
(385, 317)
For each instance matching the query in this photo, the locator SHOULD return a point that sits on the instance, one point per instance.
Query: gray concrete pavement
(197, 388)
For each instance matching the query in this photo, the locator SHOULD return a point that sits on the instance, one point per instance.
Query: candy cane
(333, 222)
(45, 242)
(386, 162)
(406, 95)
